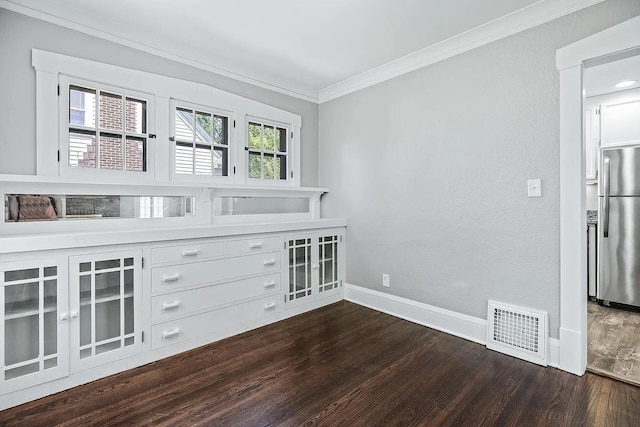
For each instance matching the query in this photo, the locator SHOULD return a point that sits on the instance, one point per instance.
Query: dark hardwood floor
(339, 365)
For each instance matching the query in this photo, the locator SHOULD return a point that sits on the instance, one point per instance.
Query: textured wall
(430, 170)
(19, 34)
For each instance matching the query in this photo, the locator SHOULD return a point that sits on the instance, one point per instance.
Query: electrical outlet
(385, 280)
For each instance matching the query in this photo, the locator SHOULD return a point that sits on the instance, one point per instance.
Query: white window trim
(49, 66)
(203, 179)
(97, 173)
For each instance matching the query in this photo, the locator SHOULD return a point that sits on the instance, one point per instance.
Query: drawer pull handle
(170, 277)
(170, 305)
(190, 252)
(269, 261)
(270, 284)
(269, 305)
(171, 333)
(255, 245)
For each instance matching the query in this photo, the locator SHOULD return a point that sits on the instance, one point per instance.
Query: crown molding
(304, 94)
(536, 14)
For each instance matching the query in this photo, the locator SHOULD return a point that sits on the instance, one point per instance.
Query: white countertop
(15, 243)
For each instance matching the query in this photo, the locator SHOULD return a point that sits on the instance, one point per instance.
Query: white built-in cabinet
(592, 141)
(80, 314)
(205, 288)
(55, 324)
(610, 120)
(620, 121)
(34, 333)
(314, 267)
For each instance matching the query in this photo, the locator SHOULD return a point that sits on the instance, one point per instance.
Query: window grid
(201, 142)
(267, 151)
(107, 129)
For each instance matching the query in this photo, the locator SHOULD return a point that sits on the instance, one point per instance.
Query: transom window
(107, 129)
(201, 141)
(267, 151)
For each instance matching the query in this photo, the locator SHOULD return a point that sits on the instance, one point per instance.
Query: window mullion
(124, 133)
(96, 123)
(193, 141)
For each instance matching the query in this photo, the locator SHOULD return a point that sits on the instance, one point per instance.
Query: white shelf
(29, 308)
(35, 179)
(103, 297)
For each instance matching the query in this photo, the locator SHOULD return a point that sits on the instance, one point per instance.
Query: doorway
(618, 42)
(611, 128)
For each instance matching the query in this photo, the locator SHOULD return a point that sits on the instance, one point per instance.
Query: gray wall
(430, 170)
(19, 34)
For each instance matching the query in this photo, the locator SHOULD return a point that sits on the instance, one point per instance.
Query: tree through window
(267, 151)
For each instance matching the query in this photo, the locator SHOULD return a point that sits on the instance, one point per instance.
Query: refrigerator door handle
(606, 177)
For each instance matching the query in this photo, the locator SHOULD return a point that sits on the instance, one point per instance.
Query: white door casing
(571, 61)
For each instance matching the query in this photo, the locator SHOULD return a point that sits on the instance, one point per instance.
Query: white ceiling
(300, 47)
(602, 79)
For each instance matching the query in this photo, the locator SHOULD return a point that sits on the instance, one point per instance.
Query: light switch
(534, 188)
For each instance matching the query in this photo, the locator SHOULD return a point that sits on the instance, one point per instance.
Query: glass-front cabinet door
(315, 266)
(105, 300)
(33, 304)
(301, 281)
(329, 265)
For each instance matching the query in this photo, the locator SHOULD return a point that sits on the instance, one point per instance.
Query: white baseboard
(451, 322)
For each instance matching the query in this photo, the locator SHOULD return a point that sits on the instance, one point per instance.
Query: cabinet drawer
(258, 244)
(166, 279)
(189, 301)
(187, 328)
(187, 252)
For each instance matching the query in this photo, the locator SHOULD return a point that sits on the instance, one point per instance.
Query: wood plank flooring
(340, 365)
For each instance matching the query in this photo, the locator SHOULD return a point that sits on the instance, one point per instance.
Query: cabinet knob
(255, 245)
(269, 305)
(270, 284)
(74, 314)
(64, 316)
(269, 261)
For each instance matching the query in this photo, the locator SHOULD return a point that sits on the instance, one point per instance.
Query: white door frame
(605, 46)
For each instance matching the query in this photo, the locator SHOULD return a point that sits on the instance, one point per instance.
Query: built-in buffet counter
(78, 305)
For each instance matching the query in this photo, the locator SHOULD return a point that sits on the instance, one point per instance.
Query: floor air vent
(517, 332)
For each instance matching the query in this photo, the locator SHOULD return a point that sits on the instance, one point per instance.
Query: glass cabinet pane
(299, 269)
(328, 263)
(30, 315)
(106, 295)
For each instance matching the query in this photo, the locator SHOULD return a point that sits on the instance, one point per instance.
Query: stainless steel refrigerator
(619, 226)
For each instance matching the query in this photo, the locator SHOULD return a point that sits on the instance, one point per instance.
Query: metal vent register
(518, 332)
